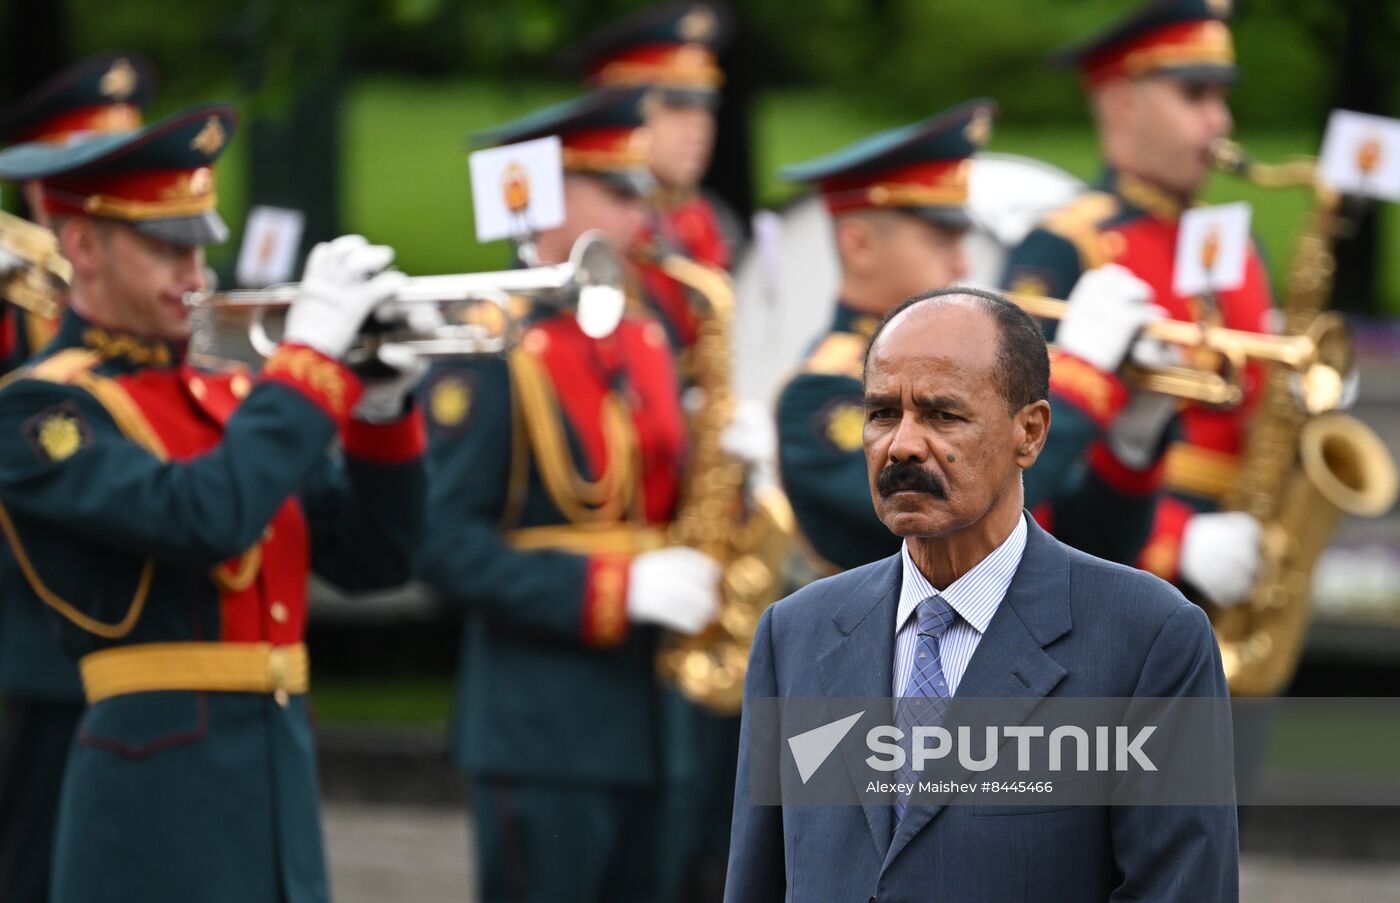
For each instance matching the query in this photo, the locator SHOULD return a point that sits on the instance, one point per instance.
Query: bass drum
(786, 279)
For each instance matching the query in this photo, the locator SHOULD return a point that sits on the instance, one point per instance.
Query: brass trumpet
(1321, 357)
(35, 287)
(479, 308)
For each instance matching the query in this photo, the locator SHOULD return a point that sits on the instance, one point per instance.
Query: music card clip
(271, 238)
(518, 189)
(1361, 155)
(1212, 246)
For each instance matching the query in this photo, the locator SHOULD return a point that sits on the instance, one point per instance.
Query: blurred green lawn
(384, 700)
(406, 141)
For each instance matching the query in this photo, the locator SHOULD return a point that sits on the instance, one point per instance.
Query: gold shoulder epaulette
(62, 367)
(1080, 222)
(839, 354)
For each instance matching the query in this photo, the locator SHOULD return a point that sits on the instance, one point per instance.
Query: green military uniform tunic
(549, 471)
(42, 702)
(1101, 505)
(42, 699)
(147, 503)
(821, 416)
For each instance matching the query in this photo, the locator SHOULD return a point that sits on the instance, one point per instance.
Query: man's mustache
(902, 476)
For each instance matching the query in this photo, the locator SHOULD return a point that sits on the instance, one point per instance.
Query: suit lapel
(861, 665)
(1010, 663)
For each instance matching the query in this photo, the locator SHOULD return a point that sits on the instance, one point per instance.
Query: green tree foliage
(906, 55)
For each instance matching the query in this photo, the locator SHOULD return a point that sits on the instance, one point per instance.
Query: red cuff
(1099, 395)
(1120, 476)
(326, 381)
(605, 601)
(396, 442)
(1162, 553)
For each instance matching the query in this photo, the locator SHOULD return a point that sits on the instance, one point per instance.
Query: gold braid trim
(518, 483)
(231, 581)
(72, 367)
(580, 500)
(66, 608)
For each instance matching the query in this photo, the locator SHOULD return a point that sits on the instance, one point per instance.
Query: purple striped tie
(925, 696)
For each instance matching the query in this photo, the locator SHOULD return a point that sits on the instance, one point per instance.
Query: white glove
(343, 281)
(677, 588)
(1220, 555)
(384, 398)
(1107, 309)
(1135, 435)
(752, 439)
(10, 261)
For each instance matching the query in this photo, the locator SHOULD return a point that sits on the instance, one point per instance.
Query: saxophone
(749, 536)
(1301, 470)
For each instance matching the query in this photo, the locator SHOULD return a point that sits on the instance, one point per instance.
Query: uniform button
(197, 388)
(240, 385)
(279, 612)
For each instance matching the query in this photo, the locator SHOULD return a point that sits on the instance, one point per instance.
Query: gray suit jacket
(1070, 625)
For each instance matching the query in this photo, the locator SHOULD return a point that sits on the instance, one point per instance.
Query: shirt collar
(976, 594)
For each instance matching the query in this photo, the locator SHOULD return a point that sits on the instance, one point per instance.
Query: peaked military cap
(920, 169)
(103, 93)
(601, 134)
(671, 48)
(158, 179)
(1184, 38)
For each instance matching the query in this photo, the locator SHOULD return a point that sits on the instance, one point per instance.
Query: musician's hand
(1135, 435)
(10, 261)
(386, 398)
(1220, 555)
(677, 588)
(751, 438)
(343, 282)
(1107, 309)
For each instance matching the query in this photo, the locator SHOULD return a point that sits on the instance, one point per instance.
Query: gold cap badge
(119, 82)
(980, 128)
(211, 138)
(698, 25)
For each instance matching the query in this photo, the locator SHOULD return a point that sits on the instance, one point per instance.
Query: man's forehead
(939, 333)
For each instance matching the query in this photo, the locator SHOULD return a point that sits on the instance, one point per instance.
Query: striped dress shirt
(974, 597)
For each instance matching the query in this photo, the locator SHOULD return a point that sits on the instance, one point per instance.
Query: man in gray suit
(979, 603)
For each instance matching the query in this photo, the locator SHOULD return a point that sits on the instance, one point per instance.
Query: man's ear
(1113, 101)
(34, 198)
(78, 239)
(1032, 428)
(855, 242)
